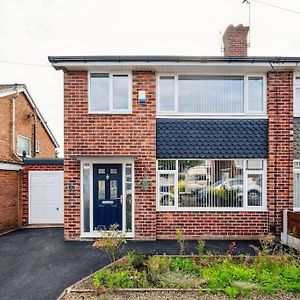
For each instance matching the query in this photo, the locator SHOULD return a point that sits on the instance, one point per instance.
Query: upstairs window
(193, 94)
(23, 145)
(297, 96)
(110, 93)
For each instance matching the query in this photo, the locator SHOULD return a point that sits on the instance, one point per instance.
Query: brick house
(23, 133)
(156, 143)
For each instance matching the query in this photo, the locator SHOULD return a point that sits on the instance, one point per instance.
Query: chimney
(235, 40)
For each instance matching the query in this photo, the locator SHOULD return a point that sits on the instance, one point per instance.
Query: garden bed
(138, 276)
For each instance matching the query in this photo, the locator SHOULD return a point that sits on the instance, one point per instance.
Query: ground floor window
(297, 185)
(196, 183)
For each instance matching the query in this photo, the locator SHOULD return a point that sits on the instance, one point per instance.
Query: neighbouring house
(23, 134)
(156, 143)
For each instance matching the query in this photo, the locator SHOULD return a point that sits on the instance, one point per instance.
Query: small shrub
(231, 248)
(200, 247)
(186, 265)
(111, 242)
(231, 292)
(180, 240)
(157, 265)
(135, 260)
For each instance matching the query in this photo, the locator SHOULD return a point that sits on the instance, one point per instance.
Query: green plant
(200, 247)
(186, 265)
(157, 265)
(135, 260)
(231, 292)
(111, 241)
(180, 240)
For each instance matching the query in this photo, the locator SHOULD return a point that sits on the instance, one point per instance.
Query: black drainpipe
(34, 140)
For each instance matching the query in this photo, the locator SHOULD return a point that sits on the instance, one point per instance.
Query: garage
(46, 197)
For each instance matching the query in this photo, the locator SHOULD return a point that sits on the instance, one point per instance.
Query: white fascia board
(10, 166)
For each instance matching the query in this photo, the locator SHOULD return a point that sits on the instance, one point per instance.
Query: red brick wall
(9, 187)
(212, 224)
(235, 40)
(281, 147)
(25, 186)
(23, 126)
(110, 135)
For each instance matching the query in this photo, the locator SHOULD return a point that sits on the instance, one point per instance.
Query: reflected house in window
(165, 142)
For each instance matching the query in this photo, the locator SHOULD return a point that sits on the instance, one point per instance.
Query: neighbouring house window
(86, 196)
(193, 94)
(297, 96)
(24, 145)
(110, 93)
(129, 196)
(37, 147)
(297, 185)
(210, 184)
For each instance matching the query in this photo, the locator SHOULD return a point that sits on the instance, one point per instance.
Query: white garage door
(46, 197)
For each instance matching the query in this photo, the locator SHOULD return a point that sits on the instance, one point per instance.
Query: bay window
(297, 185)
(211, 184)
(109, 93)
(194, 94)
(297, 96)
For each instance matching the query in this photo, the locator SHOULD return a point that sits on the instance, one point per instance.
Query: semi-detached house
(156, 143)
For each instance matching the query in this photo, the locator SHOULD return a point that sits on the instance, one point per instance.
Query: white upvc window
(297, 96)
(24, 144)
(37, 147)
(203, 184)
(297, 185)
(211, 95)
(110, 93)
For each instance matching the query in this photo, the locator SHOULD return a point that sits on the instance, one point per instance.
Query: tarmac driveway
(39, 264)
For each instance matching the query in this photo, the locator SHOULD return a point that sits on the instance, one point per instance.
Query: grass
(233, 276)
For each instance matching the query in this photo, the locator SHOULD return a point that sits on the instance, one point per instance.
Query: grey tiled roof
(199, 138)
(297, 138)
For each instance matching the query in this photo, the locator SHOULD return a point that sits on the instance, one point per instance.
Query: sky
(32, 30)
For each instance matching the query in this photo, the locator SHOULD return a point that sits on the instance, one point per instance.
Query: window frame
(29, 140)
(245, 207)
(110, 90)
(37, 147)
(295, 171)
(246, 113)
(295, 86)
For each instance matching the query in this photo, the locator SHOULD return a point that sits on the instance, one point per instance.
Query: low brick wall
(9, 204)
(242, 225)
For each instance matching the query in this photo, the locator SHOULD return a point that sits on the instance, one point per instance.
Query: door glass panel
(101, 189)
(129, 197)
(113, 189)
(113, 171)
(101, 171)
(86, 197)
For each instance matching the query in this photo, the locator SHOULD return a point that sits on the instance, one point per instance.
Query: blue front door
(107, 196)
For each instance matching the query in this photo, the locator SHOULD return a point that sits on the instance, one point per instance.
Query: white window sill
(212, 116)
(110, 112)
(97, 234)
(210, 209)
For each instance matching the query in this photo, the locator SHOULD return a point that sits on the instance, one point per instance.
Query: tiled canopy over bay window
(215, 164)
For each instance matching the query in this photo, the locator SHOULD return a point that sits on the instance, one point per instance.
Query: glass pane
(166, 165)
(129, 199)
(99, 92)
(101, 189)
(120, 92)
(297, 100)
(296, 164)
(256, 164)
(113, 189)
(255, 94)
(23, 145)
(166, 189)
(296, 190)
(101, 171)
(113, 171)
(86, 197)
(219, 94)
(167, 93)
(254, 189)
(208, 183)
